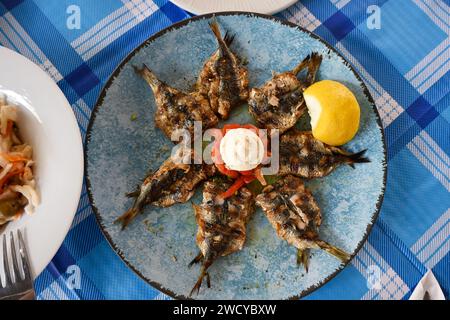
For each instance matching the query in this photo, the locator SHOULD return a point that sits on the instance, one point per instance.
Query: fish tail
(314, 63)
(303, 258)
(223, 45)
(126, 218)
(204, 273)
(302, 65)
(147, 75)
(357, 157)
(214, 25)
(338, 253)
(228, 39)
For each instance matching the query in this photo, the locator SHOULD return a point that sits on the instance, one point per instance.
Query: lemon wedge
(334, 112)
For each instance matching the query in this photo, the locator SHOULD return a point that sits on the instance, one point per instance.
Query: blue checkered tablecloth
(405, 64)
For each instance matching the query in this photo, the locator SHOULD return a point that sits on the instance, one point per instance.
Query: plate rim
(79, 153)
(193, 9)
(179, 25)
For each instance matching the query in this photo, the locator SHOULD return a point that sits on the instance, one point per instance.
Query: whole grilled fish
(303, 155)
(279, 103)
(176, 109)
(295, 215)
(172, 183)
(223, 79)
(221, 224)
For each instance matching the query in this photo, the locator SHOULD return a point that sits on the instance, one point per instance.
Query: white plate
(209, 6)
(47, 122)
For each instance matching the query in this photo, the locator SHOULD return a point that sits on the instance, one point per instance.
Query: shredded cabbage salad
(17, 184)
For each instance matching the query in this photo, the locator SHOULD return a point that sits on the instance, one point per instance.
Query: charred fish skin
(279, 103)
(183, 184)
(172, 183)
(223, 79)
(221, 224)
(303, 155)
(175, 109)
(295, 215)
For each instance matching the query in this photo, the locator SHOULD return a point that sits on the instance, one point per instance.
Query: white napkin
(429, 286)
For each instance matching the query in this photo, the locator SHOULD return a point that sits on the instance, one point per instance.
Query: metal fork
(16, 287)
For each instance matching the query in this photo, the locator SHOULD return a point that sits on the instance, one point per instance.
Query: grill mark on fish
(279, 103)
(172, 183)
(295, 215)
(223, 79)
(175, 109)
(303, 155)
(228, 81)
(221, 224)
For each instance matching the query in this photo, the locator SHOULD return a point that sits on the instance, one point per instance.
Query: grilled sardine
(303, 155)
(221, 224)
(176, 109)
(296, 216)
(172, 183)
(223, 79)
(279, 103)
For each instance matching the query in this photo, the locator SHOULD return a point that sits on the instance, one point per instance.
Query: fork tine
(17, 275)
(24, 256)
(8, 280)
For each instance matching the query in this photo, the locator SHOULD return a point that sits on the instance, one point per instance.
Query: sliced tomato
(230, 126)
(230, 173)
(218, 162)
(246, 173)
(250, 127)
(215, 154)
(245, 176)
(248, 179)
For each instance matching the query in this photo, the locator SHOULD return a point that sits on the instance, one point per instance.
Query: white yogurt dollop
(241, 149)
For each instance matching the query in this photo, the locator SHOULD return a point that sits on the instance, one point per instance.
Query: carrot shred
(17, 169)
(13, 158)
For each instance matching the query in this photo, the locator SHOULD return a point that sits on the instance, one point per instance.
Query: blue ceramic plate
(159, 244)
